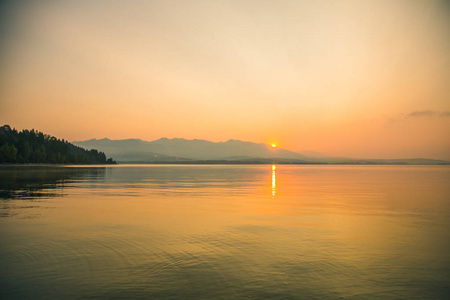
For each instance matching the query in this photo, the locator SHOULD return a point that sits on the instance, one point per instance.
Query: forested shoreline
(30, 146)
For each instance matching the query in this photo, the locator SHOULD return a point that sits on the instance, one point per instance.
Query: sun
(274, 146)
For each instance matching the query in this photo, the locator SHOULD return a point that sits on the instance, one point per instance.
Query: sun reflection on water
(274, 183)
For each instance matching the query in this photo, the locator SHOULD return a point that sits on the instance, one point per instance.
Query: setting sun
(274, 146)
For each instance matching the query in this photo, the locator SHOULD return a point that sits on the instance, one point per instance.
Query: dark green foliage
(35, 147)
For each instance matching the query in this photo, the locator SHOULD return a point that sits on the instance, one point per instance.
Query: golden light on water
(274, 183)
(136, 209)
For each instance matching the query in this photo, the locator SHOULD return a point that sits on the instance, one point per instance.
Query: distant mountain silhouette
(312, 154)
(178, 149)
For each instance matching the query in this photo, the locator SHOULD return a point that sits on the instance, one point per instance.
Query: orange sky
(368, 79)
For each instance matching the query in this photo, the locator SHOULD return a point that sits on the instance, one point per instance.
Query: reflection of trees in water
(41, 181)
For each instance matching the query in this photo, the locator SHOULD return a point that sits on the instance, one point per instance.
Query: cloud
(398, 120)
(429, 114)
(422, 113)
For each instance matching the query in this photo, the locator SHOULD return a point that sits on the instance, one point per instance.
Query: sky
(362, 79)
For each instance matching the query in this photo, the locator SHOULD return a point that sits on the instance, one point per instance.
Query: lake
(224, 232)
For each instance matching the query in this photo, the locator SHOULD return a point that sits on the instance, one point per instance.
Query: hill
(164, 149)
(196, 151)
(30, 146)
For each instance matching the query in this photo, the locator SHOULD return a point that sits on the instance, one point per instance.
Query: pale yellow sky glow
(363, 79)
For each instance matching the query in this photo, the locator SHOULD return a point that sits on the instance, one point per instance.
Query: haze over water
(211, 232)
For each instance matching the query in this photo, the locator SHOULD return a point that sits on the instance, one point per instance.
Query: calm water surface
(225, 232)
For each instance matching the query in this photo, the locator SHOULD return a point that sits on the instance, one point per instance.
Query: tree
(8, 153)
(36, 147)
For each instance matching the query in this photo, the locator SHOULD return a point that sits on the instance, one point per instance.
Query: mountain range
(179, 150)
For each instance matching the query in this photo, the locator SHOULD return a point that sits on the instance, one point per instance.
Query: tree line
(30, 146)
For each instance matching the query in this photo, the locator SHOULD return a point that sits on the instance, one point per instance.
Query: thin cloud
(422, 113)
(398, 120)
